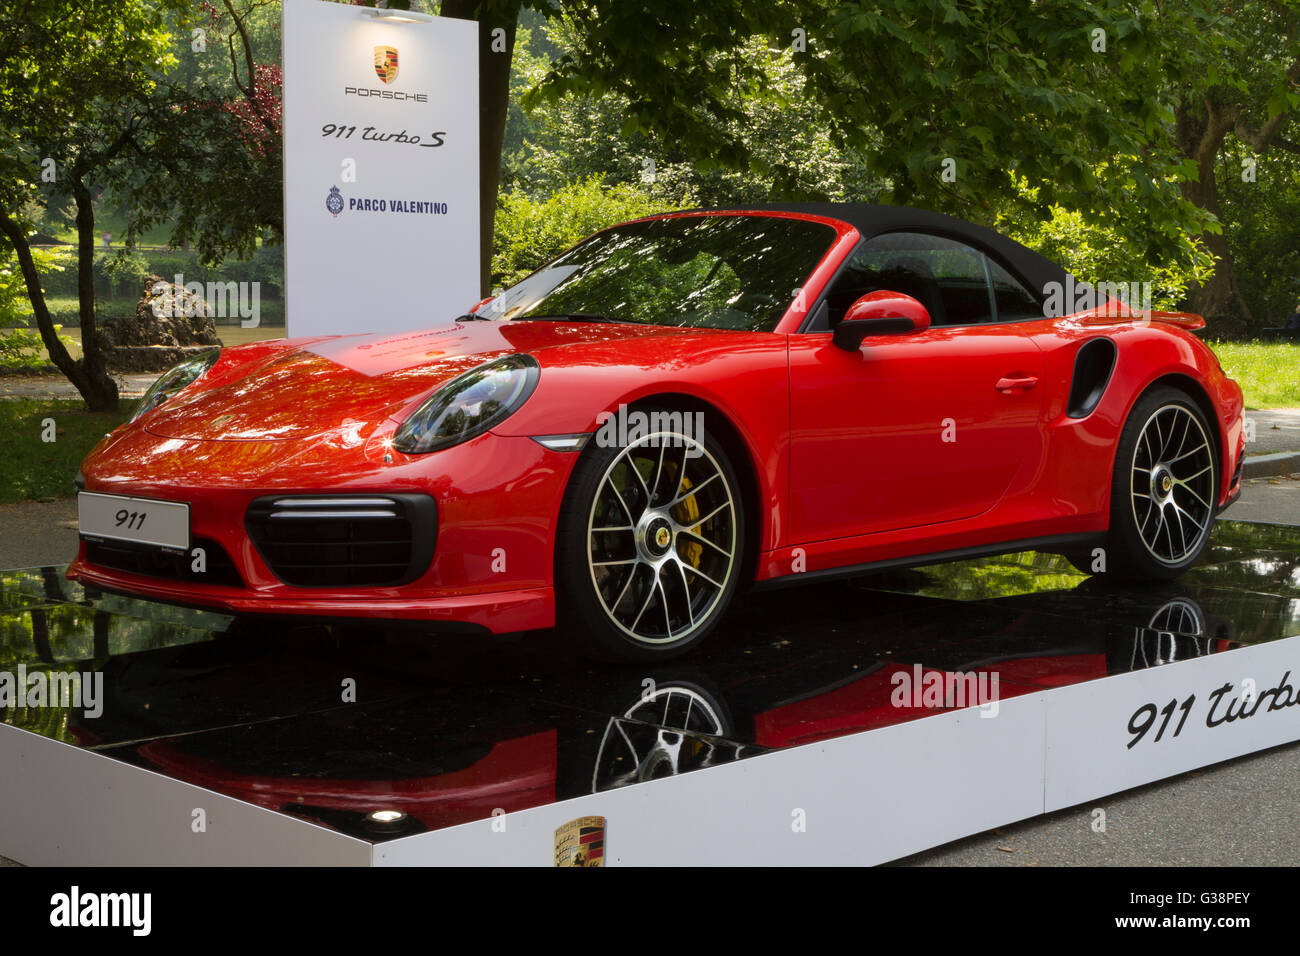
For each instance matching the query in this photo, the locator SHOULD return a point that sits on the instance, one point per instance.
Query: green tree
(72, 74)
(582, 135)
(1241, 99)
(943, 100)
(532, 232)
(219, 184)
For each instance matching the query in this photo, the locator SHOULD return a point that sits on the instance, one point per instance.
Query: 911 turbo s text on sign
(381, 169)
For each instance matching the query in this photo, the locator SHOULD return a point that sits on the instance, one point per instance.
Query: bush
(529, 233)
(21, 350)
(1096, 251)
(120, 273)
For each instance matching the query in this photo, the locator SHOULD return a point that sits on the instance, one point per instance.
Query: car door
(920, 428)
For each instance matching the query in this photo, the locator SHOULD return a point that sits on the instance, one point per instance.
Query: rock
(152, 358)
(170, 324)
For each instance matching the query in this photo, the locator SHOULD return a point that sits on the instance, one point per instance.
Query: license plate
(165, 524)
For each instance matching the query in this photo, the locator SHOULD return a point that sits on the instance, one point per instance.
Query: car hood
(312, 386)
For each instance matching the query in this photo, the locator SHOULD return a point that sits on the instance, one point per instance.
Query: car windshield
(712, 272)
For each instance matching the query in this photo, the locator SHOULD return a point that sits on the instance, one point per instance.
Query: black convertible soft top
(1034, 270)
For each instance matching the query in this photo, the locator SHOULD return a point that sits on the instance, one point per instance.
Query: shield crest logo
(386, 63)
(581, 842)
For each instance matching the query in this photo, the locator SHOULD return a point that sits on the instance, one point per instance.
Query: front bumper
(498, 612)
(497, 501)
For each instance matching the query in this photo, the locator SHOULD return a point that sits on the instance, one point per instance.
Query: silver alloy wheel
(662, 735)
(661, 538)
(1178, 632)
(1179, 616)
(1173, 484)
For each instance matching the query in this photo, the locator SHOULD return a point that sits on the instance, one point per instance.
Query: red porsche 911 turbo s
(675, 410)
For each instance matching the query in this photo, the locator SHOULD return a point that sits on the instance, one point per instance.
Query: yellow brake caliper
(685, 513)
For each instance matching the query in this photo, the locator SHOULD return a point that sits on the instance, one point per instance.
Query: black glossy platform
(448, 730)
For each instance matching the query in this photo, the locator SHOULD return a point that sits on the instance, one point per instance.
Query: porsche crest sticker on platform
(581, 842)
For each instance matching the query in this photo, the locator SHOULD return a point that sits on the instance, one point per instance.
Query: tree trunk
(101, 395)
(1220, 295)
(75, 371)
(1201, 130)
(494, 103)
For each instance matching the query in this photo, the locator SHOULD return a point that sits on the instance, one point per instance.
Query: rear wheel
(649, 547)
(1164, 488)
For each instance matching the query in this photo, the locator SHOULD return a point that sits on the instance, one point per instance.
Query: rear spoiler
(1116, 312)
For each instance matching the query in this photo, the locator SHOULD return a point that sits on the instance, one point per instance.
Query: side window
(957, 284)
(1015, 303)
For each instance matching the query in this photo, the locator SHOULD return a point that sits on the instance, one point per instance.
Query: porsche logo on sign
(386, 63)
(581, 842)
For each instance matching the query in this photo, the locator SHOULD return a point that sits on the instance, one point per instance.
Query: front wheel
(1164, 488)
(649, 544)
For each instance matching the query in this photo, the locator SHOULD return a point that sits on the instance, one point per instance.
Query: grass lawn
(1268, 372)
(33, 469)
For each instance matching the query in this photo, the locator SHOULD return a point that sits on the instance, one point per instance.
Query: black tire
(691, 585)
(1164, 488)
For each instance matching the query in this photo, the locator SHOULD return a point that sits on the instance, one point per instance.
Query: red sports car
(674, 410)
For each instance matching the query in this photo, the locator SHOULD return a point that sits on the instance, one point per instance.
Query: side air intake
(1093, 365)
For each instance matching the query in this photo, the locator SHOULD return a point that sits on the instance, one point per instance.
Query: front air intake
(344, 540)
(152, 562)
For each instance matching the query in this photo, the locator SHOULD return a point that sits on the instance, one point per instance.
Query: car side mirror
(880, 313)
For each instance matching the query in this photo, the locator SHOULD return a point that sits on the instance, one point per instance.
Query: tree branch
(1259, 139)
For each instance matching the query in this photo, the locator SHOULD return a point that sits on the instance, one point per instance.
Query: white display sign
(381, 186)
(1131, 729)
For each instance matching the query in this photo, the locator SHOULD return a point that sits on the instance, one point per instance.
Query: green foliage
(32, 469)
(74, 77)
(121, 273)
(1102, 252)
(215, 178)
(21, 348)
(1260, 223)
(68, 73)
(531, 232)
(789, 152)
(121, 276)
(14, 303)
(993, 85)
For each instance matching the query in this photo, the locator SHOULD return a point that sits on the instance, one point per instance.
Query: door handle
(1012, 383)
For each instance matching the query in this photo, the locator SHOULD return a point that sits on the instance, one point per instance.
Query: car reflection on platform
(452, 732)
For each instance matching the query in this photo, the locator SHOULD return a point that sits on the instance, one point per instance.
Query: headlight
(469, 405)
(172, 381)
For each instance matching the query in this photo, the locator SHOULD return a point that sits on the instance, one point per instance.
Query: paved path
(56, 386)
(1275, 500)
(37, 533)
(1239, 813)
(1276, 430)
